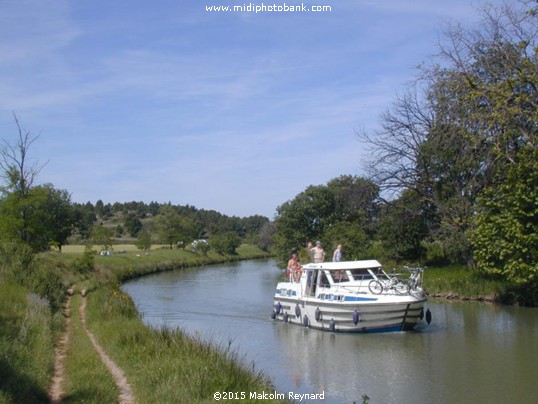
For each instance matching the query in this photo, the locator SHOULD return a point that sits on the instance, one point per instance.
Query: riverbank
(159, 365)
(455, 283)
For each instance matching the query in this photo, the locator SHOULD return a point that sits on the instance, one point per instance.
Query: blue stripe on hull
(359, 299)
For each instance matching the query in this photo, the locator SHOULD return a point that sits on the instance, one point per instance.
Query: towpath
(56, 392)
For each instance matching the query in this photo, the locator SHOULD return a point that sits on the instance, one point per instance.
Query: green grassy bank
(161, 365)
(27, 336)
(459, 282)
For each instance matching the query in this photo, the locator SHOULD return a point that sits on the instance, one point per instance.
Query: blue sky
(238, 112)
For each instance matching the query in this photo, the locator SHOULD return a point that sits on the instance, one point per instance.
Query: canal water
(470, 353)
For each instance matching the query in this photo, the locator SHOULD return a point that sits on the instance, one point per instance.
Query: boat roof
(343, 265)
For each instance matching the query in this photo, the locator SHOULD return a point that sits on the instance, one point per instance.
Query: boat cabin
(352, 276)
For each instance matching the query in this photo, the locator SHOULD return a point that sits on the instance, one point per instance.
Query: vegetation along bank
(160, 365)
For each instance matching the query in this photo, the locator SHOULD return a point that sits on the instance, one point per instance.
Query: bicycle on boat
(378, 286)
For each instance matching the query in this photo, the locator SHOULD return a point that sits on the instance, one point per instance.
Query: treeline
(453, 169)
(174, 225)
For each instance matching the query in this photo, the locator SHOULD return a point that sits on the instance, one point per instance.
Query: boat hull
(371, 316)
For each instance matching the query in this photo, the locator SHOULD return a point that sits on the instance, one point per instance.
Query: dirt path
(56, 389)
(126, 393)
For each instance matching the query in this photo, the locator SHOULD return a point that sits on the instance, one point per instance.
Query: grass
(27, 334)
(161, 365)
(88, 379)
(458, 281)
(165, 365)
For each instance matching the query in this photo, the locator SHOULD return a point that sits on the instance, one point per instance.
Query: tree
(303, 218)
(56, 215)
(403, 227)
(17, 208)
(102, 235)
(133, 224)
(143, 241)
(15, 167)
(84, 218)
(266, 236)
(48, 218)
(168, 226)
(464, 123)
(341, 212)
(505, 235)
(225, 243)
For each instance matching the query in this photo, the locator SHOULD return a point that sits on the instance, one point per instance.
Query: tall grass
(459, 281)
(166, 365)
(26, 345)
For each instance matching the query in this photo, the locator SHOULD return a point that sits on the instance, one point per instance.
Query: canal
(470, 353)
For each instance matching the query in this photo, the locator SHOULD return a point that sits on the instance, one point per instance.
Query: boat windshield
(361, 274)
(340, 276)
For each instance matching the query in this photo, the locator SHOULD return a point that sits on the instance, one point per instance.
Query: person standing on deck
(318, 253)
(337, 255)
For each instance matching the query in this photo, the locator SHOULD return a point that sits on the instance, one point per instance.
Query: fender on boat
(332, 325)
(285, 317)
(305, 320)
(355, 317)
(318, 314)
(273, 315)
(297, 311)
(428, 316)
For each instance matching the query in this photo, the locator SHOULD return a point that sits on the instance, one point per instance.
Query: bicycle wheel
(401, 288)
(375, 287)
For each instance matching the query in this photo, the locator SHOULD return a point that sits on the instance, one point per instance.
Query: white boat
(351, 296)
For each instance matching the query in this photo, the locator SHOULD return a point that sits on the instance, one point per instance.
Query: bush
(225, 243)
(86, 263)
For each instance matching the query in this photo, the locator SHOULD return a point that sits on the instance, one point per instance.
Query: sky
(235, 111)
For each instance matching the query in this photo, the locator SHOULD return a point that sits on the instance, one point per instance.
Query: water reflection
(471, 352)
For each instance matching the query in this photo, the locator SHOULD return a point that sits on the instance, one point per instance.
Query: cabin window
(340, 276)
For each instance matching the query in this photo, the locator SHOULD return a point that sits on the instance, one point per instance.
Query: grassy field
(79, 249)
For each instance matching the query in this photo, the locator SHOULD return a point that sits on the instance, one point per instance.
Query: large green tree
(38, 216)
(505, 235)
(303, 218)
(341, 212)
(462, 126)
